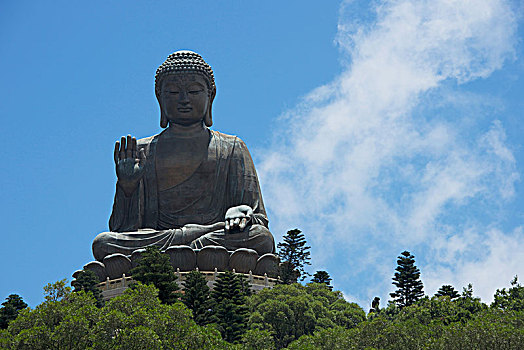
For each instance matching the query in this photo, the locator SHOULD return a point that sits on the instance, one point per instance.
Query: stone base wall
(115, 287)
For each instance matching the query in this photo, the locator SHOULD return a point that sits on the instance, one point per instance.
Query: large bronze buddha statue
(188, 185)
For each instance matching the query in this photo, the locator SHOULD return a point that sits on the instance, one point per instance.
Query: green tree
(447, 290)
(430, 323)
(321, 277)
(432, 312)
(230, 313)
(135, 320)
(337, 338)
(88, 282)
(139, 320)
(289, 311)
(511, 299)
(155, 268)
(55, 324)
(391, 310)
(197, 297)
(294, 254)
(56, 291)
(10, 309)
(489, 329)
(407, 280)
(256, 339)
(469, 305)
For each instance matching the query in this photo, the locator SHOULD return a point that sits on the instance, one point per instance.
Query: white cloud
(365, 167)
(488, 260)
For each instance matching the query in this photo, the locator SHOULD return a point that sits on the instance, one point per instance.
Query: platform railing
(256, 282)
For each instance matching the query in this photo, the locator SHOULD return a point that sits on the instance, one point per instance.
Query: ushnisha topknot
(185, 61)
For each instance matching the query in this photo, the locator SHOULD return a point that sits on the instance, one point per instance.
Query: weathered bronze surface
(189, 185)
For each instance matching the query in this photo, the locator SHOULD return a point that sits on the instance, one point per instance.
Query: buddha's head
(185, 89)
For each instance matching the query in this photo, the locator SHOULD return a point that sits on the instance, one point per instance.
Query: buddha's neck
(183, 131)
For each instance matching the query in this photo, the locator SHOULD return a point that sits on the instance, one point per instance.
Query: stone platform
(184, 259)
(114, 287)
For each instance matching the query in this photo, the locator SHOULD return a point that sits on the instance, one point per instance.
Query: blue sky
(375, 128)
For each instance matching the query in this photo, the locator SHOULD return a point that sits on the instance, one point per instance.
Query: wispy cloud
(487, 258)
(380, 159)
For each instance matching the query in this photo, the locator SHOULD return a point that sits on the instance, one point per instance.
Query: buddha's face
(184, 98)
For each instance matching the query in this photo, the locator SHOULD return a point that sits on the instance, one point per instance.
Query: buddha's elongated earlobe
(208, 117)
(163, 119)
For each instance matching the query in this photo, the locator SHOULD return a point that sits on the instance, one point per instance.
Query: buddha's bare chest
(178, 159)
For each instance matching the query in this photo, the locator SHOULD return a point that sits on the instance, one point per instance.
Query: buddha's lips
(184, 110)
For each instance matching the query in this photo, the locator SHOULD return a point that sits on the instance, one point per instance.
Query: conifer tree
(447, 290)
(88, 281)
(322, 277)
(155, 268)
(294, 254)
(244, 285)
(197, 297)
(467, 292)
(407, 280)
(375, 305)
(230, 313)
(10, 309)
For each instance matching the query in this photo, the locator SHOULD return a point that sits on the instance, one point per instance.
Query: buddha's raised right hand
(129, 163)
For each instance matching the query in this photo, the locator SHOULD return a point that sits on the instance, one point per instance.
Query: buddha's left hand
(238, 217)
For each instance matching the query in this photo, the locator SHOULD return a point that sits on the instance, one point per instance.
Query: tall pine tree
(230, 313)
(294, 254)
(197, 297)
(407, 280)
(155, 268)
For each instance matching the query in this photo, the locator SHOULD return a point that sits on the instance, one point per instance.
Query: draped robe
(225, 178)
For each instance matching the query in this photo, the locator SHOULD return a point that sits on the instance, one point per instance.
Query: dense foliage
(436, 323)
(289, 311)
(288, 316)
(296, 316)
(443, 322)
(135, 320)
(511, 299)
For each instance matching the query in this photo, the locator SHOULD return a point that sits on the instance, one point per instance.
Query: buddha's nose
(183, 97)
